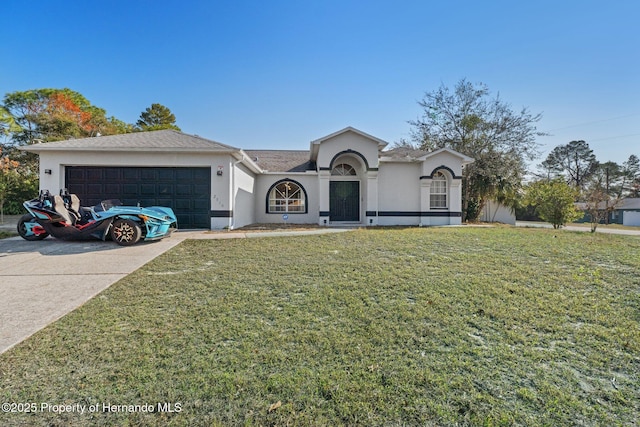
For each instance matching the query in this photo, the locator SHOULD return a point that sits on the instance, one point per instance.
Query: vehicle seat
(74, 207)
(58, 205)
(75, 203)
(72, 203)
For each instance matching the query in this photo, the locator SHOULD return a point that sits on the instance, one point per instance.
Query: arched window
(439, 191)
(287, 196)
(343, 169)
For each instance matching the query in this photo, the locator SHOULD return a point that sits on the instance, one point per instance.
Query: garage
(187, 190)
(631, 218)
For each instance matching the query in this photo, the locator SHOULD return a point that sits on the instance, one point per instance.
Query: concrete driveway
(42, 281)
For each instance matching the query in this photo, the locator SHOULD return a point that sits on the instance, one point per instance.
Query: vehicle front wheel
(125, 232)
(26, 231)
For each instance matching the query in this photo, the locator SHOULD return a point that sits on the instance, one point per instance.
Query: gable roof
(630, 203)
(381, 143)
(408, 154)
(257, 160)
(465, 159)
(315, 144)
(160, 140)
(282, 160)
(402, 154)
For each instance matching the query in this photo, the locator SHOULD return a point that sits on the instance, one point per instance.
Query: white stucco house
(346, 177)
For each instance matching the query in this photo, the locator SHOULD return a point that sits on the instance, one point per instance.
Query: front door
(344, 201)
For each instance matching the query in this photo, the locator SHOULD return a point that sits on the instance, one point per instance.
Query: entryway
(344, 201)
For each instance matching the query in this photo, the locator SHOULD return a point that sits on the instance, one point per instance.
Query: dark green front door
(344, 200)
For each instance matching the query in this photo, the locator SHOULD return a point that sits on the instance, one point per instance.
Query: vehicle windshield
(105, 205)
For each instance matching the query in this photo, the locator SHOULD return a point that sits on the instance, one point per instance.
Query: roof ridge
(205, 139)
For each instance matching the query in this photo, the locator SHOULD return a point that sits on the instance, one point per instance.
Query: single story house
(625, 212)
(344, 178)
(628, 213)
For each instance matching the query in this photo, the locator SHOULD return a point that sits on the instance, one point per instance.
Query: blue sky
(278, 74)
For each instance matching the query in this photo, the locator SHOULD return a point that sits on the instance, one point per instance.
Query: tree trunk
(465, 196)
(481, 203)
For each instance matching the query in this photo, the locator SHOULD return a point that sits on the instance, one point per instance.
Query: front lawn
(441, 326)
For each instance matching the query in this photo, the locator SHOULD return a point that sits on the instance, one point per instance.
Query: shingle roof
(413, 154)
(630, 203)
(169, 140)
(403, 153)
(282, 160)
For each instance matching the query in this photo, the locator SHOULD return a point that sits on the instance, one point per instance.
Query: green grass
(5, 234)
(586, 225)
(443, 326)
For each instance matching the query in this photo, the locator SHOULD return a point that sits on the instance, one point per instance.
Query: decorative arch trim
(349, 151)
(441, 167)
(280, 181)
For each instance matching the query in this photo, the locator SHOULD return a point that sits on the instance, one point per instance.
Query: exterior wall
(631, 218)
(244, 197)
(399, 194)
(309, 182)
(221, 194)
(405, 190)
(495, 212)
(442, 159)
(348, 141)
(221, 201)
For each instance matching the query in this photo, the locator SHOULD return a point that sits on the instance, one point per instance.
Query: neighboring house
(626, 212)
(345, 178)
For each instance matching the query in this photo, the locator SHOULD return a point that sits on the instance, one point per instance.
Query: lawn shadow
(55, 247)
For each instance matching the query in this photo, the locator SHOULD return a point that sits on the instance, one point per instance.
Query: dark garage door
(186, 190)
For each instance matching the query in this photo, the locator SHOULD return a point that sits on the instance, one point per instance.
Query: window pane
(343, 169)
(438, 187)
(438, 198)
(438, 201)
(286, 197)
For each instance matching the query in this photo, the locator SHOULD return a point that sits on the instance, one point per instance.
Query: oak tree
(45, 115)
